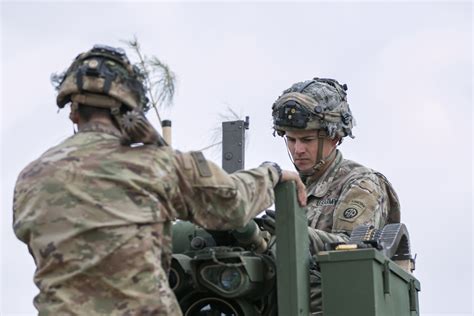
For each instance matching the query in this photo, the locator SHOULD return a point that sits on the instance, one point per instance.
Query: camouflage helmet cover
(104, 77)
(318, 104)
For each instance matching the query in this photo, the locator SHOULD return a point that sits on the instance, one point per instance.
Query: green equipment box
(364, 282)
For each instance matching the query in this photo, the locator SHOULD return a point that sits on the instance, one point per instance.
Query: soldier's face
(303, 147)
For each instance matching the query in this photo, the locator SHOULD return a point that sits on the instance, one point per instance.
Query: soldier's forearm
(318, 238)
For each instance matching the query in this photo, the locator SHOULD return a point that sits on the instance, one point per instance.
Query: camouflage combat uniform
(96, 216)
(345, 196)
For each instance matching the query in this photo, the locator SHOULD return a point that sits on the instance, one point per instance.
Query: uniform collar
(320, 186)
(101, 128)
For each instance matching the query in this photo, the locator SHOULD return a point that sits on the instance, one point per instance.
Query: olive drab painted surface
(96, 215)
(379, 287)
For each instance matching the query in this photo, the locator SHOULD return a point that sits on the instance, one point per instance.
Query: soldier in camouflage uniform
(313, 116)
(96, 212)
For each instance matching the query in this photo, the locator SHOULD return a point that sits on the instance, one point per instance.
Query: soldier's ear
(74, 114)
(335, 141)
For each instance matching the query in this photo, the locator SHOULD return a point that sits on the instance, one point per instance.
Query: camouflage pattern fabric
(96, 217)
(99, 75)
(345, 196)
(314, 105)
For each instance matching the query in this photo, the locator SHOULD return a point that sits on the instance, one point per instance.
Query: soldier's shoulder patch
(350, 213)
(351, 210)
(201, 164)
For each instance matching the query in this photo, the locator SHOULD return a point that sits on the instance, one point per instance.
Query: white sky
(408, 68)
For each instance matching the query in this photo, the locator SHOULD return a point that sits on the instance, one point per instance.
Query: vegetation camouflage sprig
(159, 79)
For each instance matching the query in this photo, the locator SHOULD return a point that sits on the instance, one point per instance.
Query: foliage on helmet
(318, 104)
(103, 71)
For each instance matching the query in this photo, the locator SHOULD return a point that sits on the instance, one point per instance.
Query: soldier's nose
(299, 148)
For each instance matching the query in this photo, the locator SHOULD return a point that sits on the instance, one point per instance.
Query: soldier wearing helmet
(96, 212)
(313, 117)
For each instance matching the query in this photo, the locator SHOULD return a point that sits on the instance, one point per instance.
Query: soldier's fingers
(287, 175)
(301, 189)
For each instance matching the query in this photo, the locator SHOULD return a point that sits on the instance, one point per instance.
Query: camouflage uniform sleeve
(318, 238)
(214, 199)
(362, 201)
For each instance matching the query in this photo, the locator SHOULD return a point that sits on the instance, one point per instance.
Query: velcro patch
(187, 161)
(350, 213)
(351, 210)
(201, 164)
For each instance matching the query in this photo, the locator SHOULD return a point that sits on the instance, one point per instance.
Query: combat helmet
(104, 77)
(318, 104)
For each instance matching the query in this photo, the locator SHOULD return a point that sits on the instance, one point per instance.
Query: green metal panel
(292, 253)
(365, 282)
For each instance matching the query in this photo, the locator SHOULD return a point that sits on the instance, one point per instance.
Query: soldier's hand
(300, 187)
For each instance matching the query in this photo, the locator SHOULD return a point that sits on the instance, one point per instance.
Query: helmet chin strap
(318, 166)
(320, 161)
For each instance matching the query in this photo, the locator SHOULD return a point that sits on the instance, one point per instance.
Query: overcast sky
(408, 68)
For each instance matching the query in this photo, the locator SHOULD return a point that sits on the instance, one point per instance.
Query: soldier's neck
(99, 120)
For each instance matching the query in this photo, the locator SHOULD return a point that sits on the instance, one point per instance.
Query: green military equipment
(365, 276)
(292, 252)
(366, 282)
(224, 272)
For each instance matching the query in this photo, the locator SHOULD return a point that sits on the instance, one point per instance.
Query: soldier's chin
(304, 169)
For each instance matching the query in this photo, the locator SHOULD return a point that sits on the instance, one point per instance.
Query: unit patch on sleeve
(201, 163)
(356, 207)
(350, 213)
